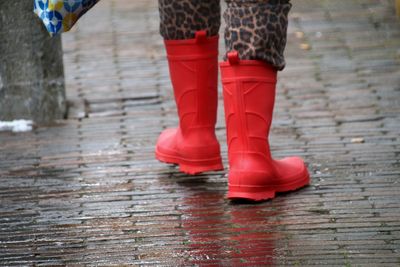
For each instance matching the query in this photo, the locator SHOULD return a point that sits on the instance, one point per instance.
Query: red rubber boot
(193, 66)
(249, 96)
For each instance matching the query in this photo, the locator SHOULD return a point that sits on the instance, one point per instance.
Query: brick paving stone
(88, 191)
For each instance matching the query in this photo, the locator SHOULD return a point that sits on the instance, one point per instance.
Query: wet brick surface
(88, 191)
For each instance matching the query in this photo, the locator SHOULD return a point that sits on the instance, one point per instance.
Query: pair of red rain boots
(249, 95)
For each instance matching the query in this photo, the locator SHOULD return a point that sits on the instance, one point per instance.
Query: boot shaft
(249, 96)
(193, 66)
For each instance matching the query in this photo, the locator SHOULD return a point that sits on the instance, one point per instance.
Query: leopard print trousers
(255, 28)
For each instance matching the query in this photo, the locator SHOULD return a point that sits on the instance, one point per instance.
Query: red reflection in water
(229, 235)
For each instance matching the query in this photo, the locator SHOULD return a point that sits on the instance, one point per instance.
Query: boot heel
(215, 165)
(192, 166)
(245, 192)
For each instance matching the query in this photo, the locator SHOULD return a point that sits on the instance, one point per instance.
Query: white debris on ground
(16, 126)
(358, 140)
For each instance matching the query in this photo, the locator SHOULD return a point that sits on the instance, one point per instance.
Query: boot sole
(192, 166)
(260, 193)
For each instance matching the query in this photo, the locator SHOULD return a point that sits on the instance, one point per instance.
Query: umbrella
(60, 15)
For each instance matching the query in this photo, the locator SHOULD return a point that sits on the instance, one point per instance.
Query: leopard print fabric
(181, 19)
(255, 28)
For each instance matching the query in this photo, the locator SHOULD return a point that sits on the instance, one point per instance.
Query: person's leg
(255, 40)
(181, 19)
(257, 29)
(190, 29)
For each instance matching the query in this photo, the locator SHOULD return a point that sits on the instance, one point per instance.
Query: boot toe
(166, 138)
(290, 168)
(292, 173)
(166, 145)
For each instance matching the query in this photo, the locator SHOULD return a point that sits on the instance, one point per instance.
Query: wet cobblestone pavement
(88, 191)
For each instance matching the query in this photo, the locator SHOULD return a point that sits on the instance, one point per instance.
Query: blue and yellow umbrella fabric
(60, 15)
